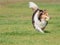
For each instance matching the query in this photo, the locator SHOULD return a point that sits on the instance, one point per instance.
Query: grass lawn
(16, 27)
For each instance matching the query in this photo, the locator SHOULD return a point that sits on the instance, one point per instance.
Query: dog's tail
(33, 5)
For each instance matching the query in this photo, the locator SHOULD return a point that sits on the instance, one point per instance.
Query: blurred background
(16, 27)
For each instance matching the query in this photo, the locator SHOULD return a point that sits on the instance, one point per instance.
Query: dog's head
(45, 15)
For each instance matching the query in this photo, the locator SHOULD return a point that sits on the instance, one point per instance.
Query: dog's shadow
(46, 31)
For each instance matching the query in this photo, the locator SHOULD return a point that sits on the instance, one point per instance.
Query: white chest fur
(41, 23)
(36, 17)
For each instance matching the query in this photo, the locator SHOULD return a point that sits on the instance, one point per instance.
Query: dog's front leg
(38, 28)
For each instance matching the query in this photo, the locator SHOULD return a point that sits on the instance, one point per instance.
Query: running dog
(39, 18)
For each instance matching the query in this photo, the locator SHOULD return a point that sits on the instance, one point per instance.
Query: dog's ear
(45, 12)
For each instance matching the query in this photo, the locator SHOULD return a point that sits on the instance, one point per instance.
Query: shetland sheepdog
(39, 18)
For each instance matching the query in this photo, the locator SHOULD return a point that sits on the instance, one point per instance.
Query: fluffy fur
(39, 18)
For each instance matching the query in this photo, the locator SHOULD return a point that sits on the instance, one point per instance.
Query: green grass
(16, 27)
